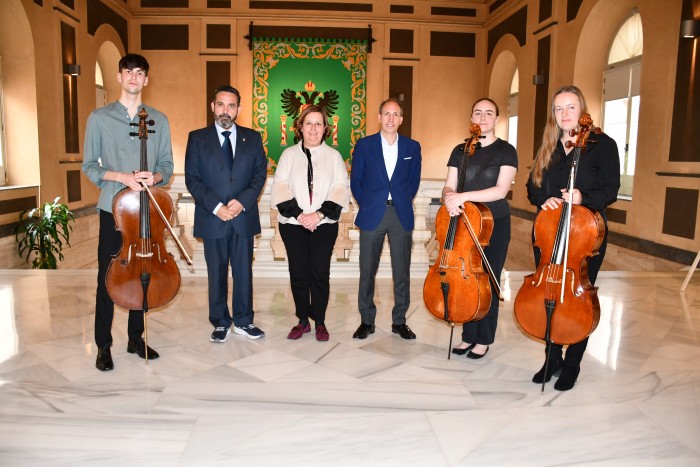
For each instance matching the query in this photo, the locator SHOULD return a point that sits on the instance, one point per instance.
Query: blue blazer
(370, 183)
(210, 182)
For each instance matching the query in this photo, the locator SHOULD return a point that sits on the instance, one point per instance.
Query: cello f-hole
(465, 275)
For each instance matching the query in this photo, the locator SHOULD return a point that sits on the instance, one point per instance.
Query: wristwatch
(321, 215)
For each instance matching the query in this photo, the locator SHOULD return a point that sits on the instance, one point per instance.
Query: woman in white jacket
(310, 190)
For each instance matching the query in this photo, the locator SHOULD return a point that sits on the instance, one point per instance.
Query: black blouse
(483, 168)
(597, 178)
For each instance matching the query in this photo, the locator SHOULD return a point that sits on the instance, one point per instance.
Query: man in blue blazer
(384, 180)
(225, 172)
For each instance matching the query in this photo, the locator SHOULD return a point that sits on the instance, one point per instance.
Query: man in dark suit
(225, 172)
(384, 180)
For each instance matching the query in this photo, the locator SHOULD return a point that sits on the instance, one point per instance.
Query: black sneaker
(220, 334)
(251, 331)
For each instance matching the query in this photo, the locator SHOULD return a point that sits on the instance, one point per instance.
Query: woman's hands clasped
(454, 202)
(309, 221)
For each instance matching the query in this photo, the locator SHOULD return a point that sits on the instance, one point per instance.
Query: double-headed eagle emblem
(294, 102)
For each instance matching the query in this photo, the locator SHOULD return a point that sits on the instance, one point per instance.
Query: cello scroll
(473, 140)
(585, 123)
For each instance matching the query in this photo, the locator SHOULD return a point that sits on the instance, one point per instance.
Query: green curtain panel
(290, 74)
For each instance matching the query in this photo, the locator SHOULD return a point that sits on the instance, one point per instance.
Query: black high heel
(476, 356)
(458, 351)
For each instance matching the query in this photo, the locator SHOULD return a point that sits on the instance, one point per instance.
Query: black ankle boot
(568, 378)
(553, 370)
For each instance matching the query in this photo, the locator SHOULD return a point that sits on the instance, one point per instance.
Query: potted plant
(43, 230)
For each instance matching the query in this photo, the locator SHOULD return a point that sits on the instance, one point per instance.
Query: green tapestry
(292, 74)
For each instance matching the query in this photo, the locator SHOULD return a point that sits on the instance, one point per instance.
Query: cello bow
(180, 247)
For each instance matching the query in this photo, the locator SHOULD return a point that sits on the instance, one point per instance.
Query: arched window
(621, 97)
(513, 110)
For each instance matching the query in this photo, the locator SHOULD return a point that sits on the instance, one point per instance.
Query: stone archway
(504, 67)
(108, 59)
(19, 95)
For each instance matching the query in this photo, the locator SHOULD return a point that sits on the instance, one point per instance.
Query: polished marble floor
(381, 401)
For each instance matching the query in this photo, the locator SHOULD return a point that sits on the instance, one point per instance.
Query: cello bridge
(548, 276)
(144, 255)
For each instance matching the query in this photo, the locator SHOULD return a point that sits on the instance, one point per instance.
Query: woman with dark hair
(489, 174)
(596, 186)
(310, 190)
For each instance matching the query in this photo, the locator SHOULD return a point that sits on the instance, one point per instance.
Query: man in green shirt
(112, 162)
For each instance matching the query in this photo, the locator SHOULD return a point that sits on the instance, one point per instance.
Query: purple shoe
(298, 331)
(321, 333)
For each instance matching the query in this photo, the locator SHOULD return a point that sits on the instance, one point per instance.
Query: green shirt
(108, 146)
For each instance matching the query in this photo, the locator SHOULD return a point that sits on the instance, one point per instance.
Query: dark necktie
(309, 173)
(228, 150)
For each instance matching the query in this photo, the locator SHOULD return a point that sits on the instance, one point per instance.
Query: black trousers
(371, 245)
(110, 241)
(237, 251)
(574, 352)
(309, 256)
(483, 331)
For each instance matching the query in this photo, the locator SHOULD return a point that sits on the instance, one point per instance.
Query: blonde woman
(597, 183)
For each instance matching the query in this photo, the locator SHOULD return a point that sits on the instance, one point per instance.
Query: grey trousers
(400, 245)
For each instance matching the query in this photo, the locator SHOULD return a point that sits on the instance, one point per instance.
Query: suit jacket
(370, 183)
(210, 182)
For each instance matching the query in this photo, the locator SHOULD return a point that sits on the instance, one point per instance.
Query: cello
(558, 303)
(456, 289)
(142, 274)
